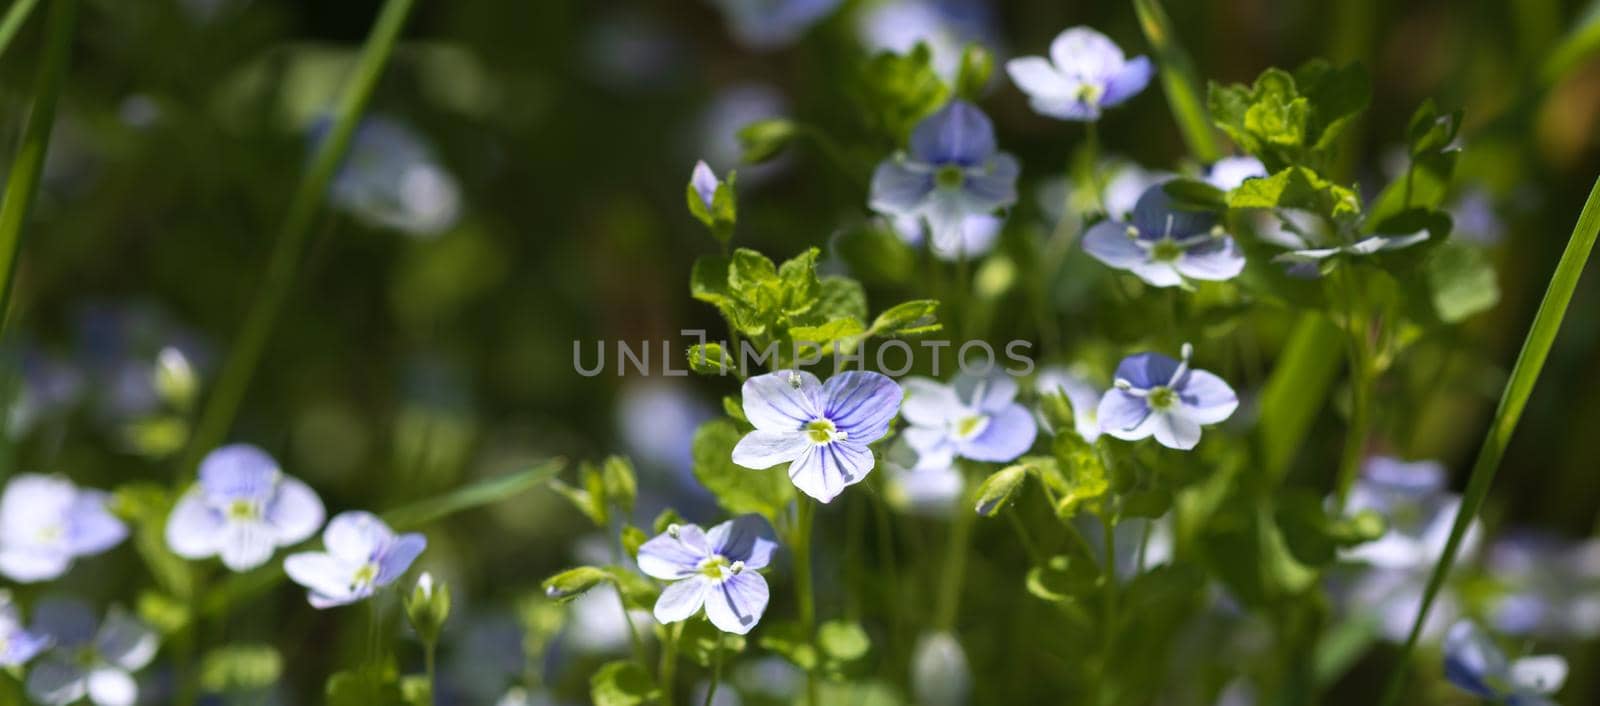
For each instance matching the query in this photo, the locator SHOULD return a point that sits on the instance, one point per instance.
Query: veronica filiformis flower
(718, 570)
(1474, 664)
(974, 417)
(362, 555)
(1163, 244)
(242, 510)
(1154, 395)
(953, 170)
(89, 659)
(46, 523)
(1086, 73)
(821, 431)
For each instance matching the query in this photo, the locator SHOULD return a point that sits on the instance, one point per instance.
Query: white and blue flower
(771, 24)
(391, 179)
(1082, 395)
(363, 555)
(953, 170)
(974, 417)
(716, 570)
(1474, 664)
(1154, 395)
(821, 431)
(89, 659)
(242, 510)
(46, 523)
(1085, 74)
(1164, 244)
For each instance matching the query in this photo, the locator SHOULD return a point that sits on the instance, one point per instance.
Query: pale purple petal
(1036, 77)
(1206, 398)
(958, 134)
(1083, 396)
(112, 687)
(992, 187)
(323, 601)
(126, 642)
(1175, 431)
(19, 646)
(765, 449)
(1065, 108)
(31, 565)
(782, 401)
(746, 538)
(704, 182)
(356, 536)
(1010, 434)
(91, 528)
(861, 403)
(56, 681)
(946, 213)
(1471, 660)
(398, 557)
(1109, 243)
(295, 513)
(898, 189)
(985, 393)
(1146, 370)
(931, 445)
(1215, 261)
(1539, 674)
(670, 558)
(825, 470)
(930, 403)
(737, 603)
(1121, 414)
(681, 600)
(194, 529)
(1128, 81)
(322, 573)
(1156, 215)
(1230, 173)
(246, 544)
(1084, 53)
(1158, 274)
(69, 622)
(239, 472)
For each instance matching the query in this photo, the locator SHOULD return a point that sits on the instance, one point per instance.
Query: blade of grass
(16, 16)
(223, 402)
(1535, 348)
(242, 587)
(1179, 79)
(22, 184)
(1582, 41)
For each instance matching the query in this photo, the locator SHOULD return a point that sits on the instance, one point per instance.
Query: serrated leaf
(738, 490)
(1296, 187)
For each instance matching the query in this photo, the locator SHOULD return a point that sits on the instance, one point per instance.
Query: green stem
(429, 661)
(1360, 393)
(801, 544)
(22, 185)
(15, 17)
(1179, 79)
(955, 559)
(1535, 349)
(633, 633)
(1109, 636)
(288, 252)
(669, 662)
(716, 674)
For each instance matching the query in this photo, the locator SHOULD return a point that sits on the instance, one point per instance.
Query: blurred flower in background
(765, 25)
(730, 109)
(1547, 587)
(391, 179)
(946, 26)
(47, 522)
(89, 659)
(242, 510)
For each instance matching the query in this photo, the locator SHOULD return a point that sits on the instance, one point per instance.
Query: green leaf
(1084, 474)
(638, 592)
(912, 318)
(1461, 281)
(1296, 389)
(1296, 187)
(843, 640)
(900, 90)
(738, 490)
(999, 488)
(1337, 95)
(708, 281)
(632, 538)
(622, 683)
(240, 667)
(1063, 578)
(822, 339)
(621, 488)
(840, 297)
(799, 280)
(763, 140)
(1429, 131)
(667, 518)
(369, 686)
(570, 584)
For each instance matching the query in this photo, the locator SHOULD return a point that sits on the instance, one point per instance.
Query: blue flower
(1164, 244)
(89, 659)
(1549, 586)
(17, 644)
(953, 170)
(821, 431)
(945, 26)
(391, 179)
(242, 510)
(974, 417)
(46, 522)
(1418, 510)
(717, 570)
(363, 555)
(1086, 72)
(933, 492)
(1229, 173)
(1157, 396)
(1474, 664)
(1083, 395)
(771, 24)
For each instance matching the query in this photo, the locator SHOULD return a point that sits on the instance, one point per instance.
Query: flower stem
(801, 544)
(955, 558)
(22, 183)
(223, 403)
(429, 654)
(1361, 393)
(633, 633)
(669, 662)
(1535, 349)
(716, 674)
(1108, 525)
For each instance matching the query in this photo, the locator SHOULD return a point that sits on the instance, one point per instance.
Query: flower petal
(112, 687)
(1109, 243)
(861, 403)
(356, 537)
(1471, 661)
(670, 558)
(1010, 434)
(398, 557)
(239, 472)
(193, 528)
(1540, 674)
(1085, 53)
(782, 401)
(746, 538)
(1155, 215)
(764, 449)
(126, 642)
(1128, 81)
(1207, 399)
(321, 572)
(1146, 370)
(91, 528)
(246, 544)
(295, 513)
(1215, 261)
(930, 403)
(993, 187)
(985, 393)
(1175, 431)
(826, 470)
(704, 182)
(54, 681)
(1072, 108)
(1081, 394)
(958, 134)
(27, 565)
(681, 600)
(69, 622)
(737, 603)
(1037, 77)
(899, 190)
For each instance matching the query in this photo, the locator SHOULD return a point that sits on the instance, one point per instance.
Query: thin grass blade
(16, 16)
(1180, 80)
